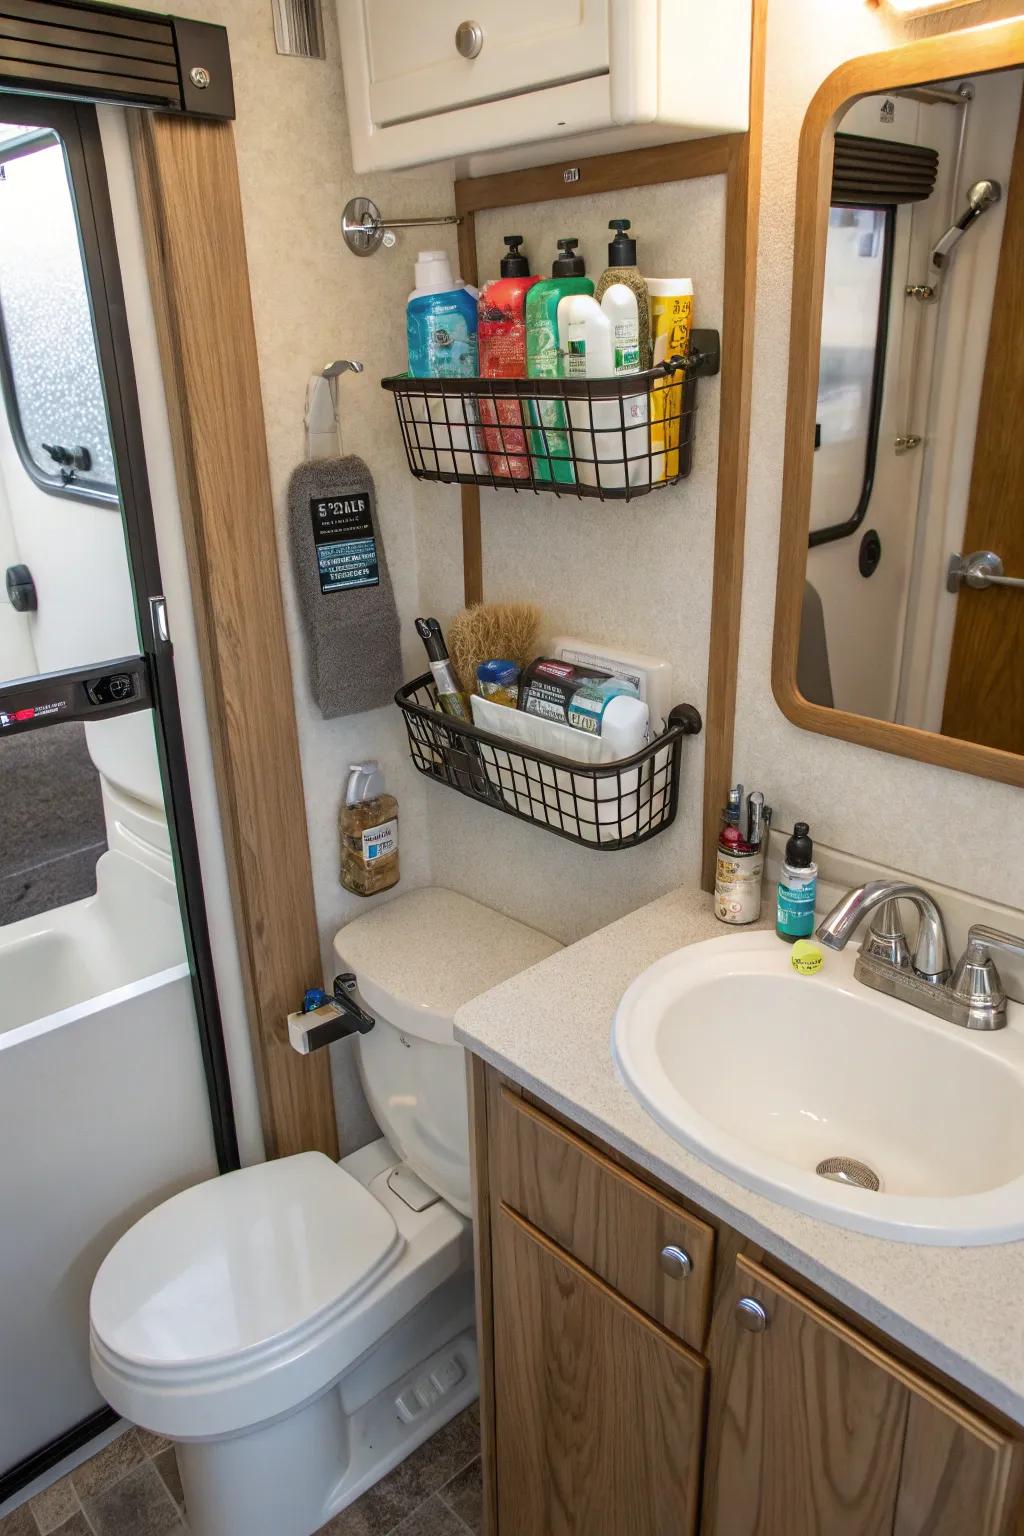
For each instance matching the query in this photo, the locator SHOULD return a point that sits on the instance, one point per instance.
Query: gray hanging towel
(344, 589)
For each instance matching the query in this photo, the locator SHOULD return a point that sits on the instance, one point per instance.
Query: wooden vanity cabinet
(618, 1400)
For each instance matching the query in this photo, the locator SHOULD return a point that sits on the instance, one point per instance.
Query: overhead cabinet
(462, 80)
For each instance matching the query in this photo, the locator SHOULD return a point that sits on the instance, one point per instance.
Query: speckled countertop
(549, 1030)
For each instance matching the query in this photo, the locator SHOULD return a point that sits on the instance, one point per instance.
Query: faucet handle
(886, 938)
(976, 982)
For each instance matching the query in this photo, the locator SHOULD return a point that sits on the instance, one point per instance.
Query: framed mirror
(900, 607)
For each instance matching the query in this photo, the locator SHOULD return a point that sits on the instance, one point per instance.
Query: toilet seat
(237, 1299)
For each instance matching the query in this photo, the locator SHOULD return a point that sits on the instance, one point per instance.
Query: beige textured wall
(638, 576)
(939, 825)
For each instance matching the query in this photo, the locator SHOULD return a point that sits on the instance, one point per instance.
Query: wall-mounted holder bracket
(365, 230)
(323, 413)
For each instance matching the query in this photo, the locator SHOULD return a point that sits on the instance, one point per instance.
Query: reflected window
(51, 378)
(853, 333)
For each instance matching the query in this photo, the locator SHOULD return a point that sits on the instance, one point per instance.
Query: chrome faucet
(973, 996)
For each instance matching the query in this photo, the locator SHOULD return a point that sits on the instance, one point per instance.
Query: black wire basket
(599, 805)
(613, 439)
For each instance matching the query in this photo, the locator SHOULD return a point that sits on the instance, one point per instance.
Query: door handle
(980, 570)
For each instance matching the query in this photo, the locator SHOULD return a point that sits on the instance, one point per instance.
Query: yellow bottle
(671, 323)
(368, 828)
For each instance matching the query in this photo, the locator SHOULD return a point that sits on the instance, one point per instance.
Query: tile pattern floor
(132, 1488)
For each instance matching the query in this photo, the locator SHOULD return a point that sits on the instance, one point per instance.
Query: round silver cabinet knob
(469, 38)
(675, 1262)
(751, 1315)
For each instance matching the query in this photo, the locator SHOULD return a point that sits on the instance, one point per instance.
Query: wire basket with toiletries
(573, 791)
(612, 439)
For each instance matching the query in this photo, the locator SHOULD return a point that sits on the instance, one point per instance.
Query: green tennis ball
(806, 957)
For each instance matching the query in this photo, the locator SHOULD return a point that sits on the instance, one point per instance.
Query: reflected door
(113, 1082)
(985, 684)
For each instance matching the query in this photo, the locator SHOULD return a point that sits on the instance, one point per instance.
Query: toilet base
(289, 1477)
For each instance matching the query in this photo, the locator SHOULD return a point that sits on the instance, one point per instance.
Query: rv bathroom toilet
(299, 1326)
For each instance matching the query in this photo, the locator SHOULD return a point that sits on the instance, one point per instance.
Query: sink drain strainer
(848, 1170)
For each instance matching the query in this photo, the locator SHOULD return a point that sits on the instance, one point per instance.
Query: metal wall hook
(323, 412)
(365, 230)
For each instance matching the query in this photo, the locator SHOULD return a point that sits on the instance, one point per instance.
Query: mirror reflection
(910, 610)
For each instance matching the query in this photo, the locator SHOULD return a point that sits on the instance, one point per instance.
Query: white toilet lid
(234, 1264)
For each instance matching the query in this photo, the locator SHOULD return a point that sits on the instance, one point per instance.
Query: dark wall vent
(72, 48)
(874, 172)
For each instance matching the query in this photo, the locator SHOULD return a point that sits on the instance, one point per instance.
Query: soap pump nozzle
(514, 264)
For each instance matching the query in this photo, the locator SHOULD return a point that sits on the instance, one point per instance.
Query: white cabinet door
(415, 69)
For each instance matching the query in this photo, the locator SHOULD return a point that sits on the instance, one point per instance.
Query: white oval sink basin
(765, 1074)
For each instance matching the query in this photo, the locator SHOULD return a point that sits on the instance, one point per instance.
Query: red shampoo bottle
(501, 337)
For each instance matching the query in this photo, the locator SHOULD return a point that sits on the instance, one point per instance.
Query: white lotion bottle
(620, 305)
(585, 341)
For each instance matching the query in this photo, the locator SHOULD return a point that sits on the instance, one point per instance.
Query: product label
(626, 345)
(379, 841)
(576, 357)
(738, 887)
(442, 340)
(346, 550)
(795, 909)
(670, 332)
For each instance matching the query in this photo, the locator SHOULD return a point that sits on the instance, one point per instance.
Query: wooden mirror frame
(979, 50)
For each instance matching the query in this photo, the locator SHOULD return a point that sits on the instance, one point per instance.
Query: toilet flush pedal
(410, 1188)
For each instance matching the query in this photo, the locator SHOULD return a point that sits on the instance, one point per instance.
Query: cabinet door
(416, 70)
(599, 1412)
(814, 1429)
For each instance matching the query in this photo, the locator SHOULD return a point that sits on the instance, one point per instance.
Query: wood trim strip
(743, 201)
(472, 538)
(979, 50)
(599, 173)
(190, 204)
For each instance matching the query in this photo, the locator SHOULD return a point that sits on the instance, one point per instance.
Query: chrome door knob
(469, 38)
(751, 1315)
(675, 1262)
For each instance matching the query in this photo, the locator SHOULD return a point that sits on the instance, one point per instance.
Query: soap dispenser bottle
(622, 268)
(501, 337)
(368, 827)
(794, 918)
(549, 447)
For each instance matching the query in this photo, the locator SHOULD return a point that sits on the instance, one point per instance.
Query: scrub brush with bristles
(492, 632)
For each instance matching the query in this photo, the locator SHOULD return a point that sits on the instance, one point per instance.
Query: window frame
(53, 485)
(834, 531)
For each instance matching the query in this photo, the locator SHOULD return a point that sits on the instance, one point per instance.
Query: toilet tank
(416, 960)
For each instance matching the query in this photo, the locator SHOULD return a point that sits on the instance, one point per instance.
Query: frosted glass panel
(854, 266)
(46, 315)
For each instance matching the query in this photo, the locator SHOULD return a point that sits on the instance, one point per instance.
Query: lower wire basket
(600, 805)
